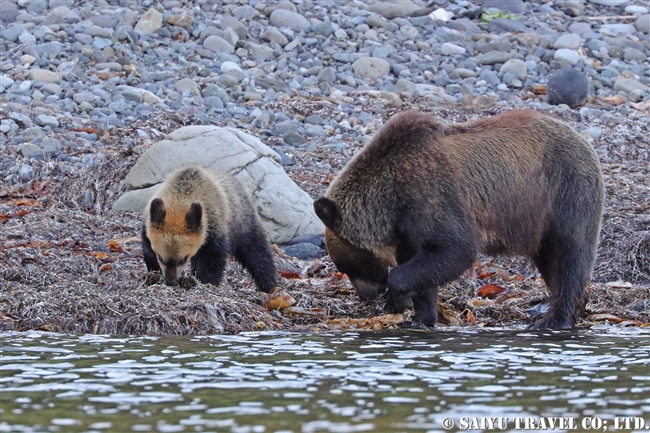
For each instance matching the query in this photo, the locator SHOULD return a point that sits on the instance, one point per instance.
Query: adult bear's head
(366, 270)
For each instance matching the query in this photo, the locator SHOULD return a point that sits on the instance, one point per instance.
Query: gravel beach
(86, 87)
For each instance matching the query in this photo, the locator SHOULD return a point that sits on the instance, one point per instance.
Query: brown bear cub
(427, 197)
(200, 217)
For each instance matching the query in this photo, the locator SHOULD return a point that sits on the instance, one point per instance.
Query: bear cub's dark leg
(150, 258)
(209, 262)
(253, 251)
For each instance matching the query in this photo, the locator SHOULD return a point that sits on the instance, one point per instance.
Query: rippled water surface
(348, 382)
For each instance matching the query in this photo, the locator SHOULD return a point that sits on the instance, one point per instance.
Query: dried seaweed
(69, 264)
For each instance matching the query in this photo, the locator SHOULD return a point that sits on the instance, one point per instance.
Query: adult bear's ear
(326, 211)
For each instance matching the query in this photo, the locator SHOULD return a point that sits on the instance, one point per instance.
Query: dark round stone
(568, 86)
(304, 251)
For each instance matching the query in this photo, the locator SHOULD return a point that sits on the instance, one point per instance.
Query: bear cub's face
(367, 272)
(175, 238)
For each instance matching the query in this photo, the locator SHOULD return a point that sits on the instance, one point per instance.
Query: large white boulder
(286, 211)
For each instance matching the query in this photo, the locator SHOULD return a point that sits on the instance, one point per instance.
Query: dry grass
(68, 264)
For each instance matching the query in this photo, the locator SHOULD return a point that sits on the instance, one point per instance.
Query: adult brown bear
(427, 197)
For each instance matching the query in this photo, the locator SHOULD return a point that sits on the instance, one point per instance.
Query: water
(344, 382)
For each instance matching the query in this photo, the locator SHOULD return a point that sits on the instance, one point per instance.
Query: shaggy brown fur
(431, 196)
(203, 217)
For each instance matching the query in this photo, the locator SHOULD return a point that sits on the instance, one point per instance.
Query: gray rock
(232, 23)
(568, 86)
(45, 120)
(371, 67)
(489, 77)
(246, 12)
(84, 97)
(36, 7)
(33, 133)
(111, 66)
(510, 6)
(375, 20)
(636, 10)
(629, 85)
(213, 102)
(217, 44)
(49, 50)
(567, 55)
(324, 28)
(404, 86)
(383, 51)
(187, 84)
(465, 73)
(292, 20)
(504, 46)
(51, 145)
(630, 53)
(285, 210)
(118, 106)
(101, 43)
(132, 93)
(272, 34)
(150, 22)
(515, 65)
(609, 2)
(12, 33)
(579, 28)
(642, 23)
(394, 8)
(227, 80)
(44, 76)
(5, 82)
(616, 29)
(182, 19)
(53, 4)
(260, 52)
(26, 38)
(569, 40)
(499, 25)
(294, 138)
(51, 88)
(61, 15)
(29, 149)
(26, 171)
(326, 75)
(98, 31)
(448, 49)
(493, 57)
(311, 238)
(304, 251)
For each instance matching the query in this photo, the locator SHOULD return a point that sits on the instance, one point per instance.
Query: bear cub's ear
(326, 210)
(193, 218)
(157, 213)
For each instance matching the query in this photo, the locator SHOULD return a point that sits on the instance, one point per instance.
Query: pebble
(568, 86)
(567, 55)
(100, 64)
(630, 84)
(44, 76)
(570, 41)
(304, 251)
(150, 22)
(371, 67)
(292, 20)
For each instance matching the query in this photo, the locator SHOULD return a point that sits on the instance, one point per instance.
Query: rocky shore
(87, 87)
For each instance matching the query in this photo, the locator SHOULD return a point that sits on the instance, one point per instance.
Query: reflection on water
(349, 382)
